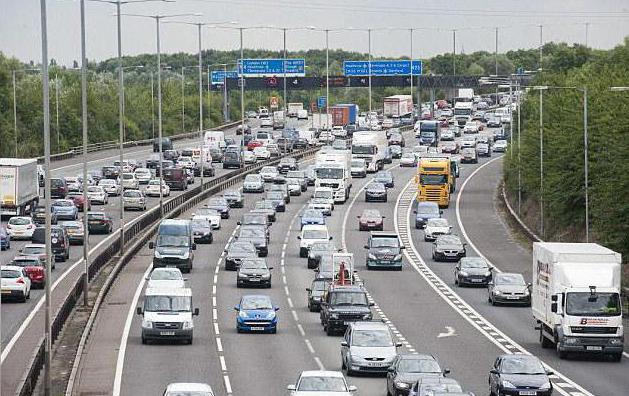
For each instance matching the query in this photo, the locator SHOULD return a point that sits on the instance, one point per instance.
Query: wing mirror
(398, 344)
(138, 311)
(237, 308)
(352, 388)
(344, 343)
(195, 312)
(446, 371)
(151, 245)
(494, 371)
(291, 387)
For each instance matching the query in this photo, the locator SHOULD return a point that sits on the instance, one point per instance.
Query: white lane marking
(122, 349)
(219, 344)
(223, 364)
(228, 385)
(216, 329)
(80, 164)
(318, 361)
(309, 345)
(432, 279)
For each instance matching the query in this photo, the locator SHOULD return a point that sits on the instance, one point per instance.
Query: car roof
(168, 291)
(188, 386)
(315, 227)
(416, 356)
(375, 325)
(347, 288)
(321, 373)
(11, 268)
(381, 234)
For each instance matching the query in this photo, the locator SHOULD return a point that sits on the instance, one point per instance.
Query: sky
(475, 21)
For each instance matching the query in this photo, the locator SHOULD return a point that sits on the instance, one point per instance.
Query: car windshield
(358, 164)
(437, 223)
(408, 155)
(521, 364)
(322, 384)
(384, 242)
(418, 366)
(25, 262)
(509, 279)
(167, 274)
(19, 221)
(327, 194)
(450, 240)
(107, 181)
(376, 186)
(241, 248)
(329, 173)
(265, 205)
(592, 304)
(433, 179)
(323, 246)
(275, 195)
(200, 223)
(167, 304)
(251, 233)
(252, 178)
(371, 213)
(319, 285)
(172, 241)
(311, 213)
(34, 250)
(11, 274)
(217, 202)
(253, 264)
(63, 203)
(207, 212)
(268, 169)
(372, 338)
(128, 176)
(133, 194)
(348, 298)
(253, 219)
(315, 234)
(428, 389)
(95, 216)
(473, 262)
(256, 302)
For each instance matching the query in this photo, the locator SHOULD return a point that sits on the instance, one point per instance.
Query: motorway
(22, 323)
(423, 308)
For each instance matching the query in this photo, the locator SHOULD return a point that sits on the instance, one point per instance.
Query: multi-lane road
(421, 304)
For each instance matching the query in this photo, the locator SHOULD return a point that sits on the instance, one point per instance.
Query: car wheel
(23, 299)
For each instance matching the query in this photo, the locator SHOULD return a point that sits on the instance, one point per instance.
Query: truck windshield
(172, 241)
(463, 111)
(167, 304)
(598, 304)
(433, 179)
(362, 149)
(329, 173)
(427, 134)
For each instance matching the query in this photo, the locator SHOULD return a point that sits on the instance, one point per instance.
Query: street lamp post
(86, 275)
(369, 65)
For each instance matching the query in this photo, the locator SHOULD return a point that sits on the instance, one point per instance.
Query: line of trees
(563, 191)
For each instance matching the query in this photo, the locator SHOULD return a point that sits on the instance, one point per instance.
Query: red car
(450, 147)
(370, 219)
(442, 104)
(443, 122)
(79, 201)
(253, 144)
(34, 268)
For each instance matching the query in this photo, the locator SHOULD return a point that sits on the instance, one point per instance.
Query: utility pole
(587, 28)
(57, 112)
(327, 79)
(15, 113)
(120, 120)
(369, 65)
(284, 70)
(152, 107)
(242, 92)
(411, 34)
(541, 162)
(183, 99)
(86, 275)
(586, 164)
(454, 52)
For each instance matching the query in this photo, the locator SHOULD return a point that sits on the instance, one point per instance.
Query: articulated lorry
(344, 114)
(19, 186)
(333, 169)
(576, 298)
(371, 146)
(398, 105)
(435, 181)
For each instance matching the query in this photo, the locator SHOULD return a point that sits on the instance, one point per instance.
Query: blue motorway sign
(382, 68)
(321, 102)
(273, 67)
(218, 76)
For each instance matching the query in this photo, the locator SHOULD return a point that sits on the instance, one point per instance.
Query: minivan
(167, 144)
(167, 314)
(58, 188)
(174, 245)
(231, 159)
(59, 241)
(176, 178)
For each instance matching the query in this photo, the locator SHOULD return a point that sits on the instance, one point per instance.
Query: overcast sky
(563, 20)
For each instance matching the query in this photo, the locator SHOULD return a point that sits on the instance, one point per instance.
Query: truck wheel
(545, 342)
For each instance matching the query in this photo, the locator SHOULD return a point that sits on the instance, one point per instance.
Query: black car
(448, 248)
(253, 272)
(287, 164)
(216, 154)
(110, 172)
(301, 144)
(201, 230)
(243, 128)
(284, 145)
(376, 192)
(396, 139)
(167, 144)
(299, 175)
(427, 386)
(519, 374)
(234, 199)
(99, 222)
(342, 305)
(509, 288)
(39, 215)
(255, 219)
(407, 369)
(58, 188)
(238, 251)
(171, 155)
(386, 178)
(257, 237)
(59, 240)
(472, 271)
(277, 198)
(384, 250)
(232, 159)
(219, 204)
(316, 250)
(266, 208)
(315, 293)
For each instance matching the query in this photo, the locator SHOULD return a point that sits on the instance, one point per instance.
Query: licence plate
(512, 297)
(167, 333)
(257, 328)
(593, 348)
(477, 280)
(528, 393)
(254, 280)
(374, 364)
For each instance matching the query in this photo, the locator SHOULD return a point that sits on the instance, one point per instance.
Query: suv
(231, 159)
(368, 347)
(60, 242)
(58, 188)
(341, 305)
(384, 250)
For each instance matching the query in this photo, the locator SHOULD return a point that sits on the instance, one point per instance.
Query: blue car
(65, 209)
(5, 241)
(256, 313)
(312, 216)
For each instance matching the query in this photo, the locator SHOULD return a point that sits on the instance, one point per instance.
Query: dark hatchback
(234, 199)
(220, 205)
(58, 188)
(407, 369)
(315, 293)
(386, 178)
(59, 240)
(201, 230)
(472, 271)
(257, 237)
(39, 215)
(519, 374)
(448, 248)
(99, 223)
(110, 172)
(376, 192)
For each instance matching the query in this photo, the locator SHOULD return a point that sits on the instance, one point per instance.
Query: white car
(387, 123)
(143, 175)
(129, 181)
(110, 186)
(500, 146)
(470, 127)
(188, 388)
(358, 167)
(249, 157)
(126, 166)
(326, 137)
(185, 162)
(269, 173)
(97, 194)
(20, 227)
(74, 184)
(211, 215)
(322, 205)
(266, 123)
(302, 114)
(435, 228)
(326, 193)
(152, 190)
(339, 131)
(311, 233)
(468, 141)
(15, 283)
(167, 277)
(262, 153)
(408, 159)
(133, 199)
(320, 382)
(420, 151)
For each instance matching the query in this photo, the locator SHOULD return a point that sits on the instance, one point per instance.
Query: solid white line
(122, 349)
(228, 386)
(626, 354)
(223, 364)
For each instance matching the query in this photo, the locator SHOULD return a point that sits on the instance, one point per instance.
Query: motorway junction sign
(219, 76)
(382, 68)
(273, 67)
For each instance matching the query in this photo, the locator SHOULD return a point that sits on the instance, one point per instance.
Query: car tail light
(9, 226)
(20, 281)
(29, 226)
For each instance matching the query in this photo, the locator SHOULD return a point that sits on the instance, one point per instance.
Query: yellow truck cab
(434, 181)
(454, 167)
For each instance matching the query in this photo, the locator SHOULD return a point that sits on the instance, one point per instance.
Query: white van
(310, 234)
(215, 139)
(167, 314)
(302, 114)
(308, 135)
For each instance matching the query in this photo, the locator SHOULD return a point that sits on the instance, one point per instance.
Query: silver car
(253, 183)
(368, 347)
(321, 382)
(134, 199)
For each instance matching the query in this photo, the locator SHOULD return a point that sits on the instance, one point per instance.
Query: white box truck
(371, 146)
(398, 105)
(333, 169)
(19, 186)
(576, 298)
(293, 109)
(214, 139)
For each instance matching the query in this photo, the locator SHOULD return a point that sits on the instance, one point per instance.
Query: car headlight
(570, 340)
(397, 257)
(372, 257)
(615, 341)
(187, 325)
(270, 315)
(526, 292)
(266, 276)
(367, 316)
(186, 255)
(437, 250)
(147, 324)
(463, 273)
(545, 385)
(507, 384)
(402, 385)
(241, 275)
(243, 314)
(488, 273)
(497, 292)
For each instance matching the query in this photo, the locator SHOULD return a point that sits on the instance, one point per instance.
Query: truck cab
(434, 181)
(167, 314)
